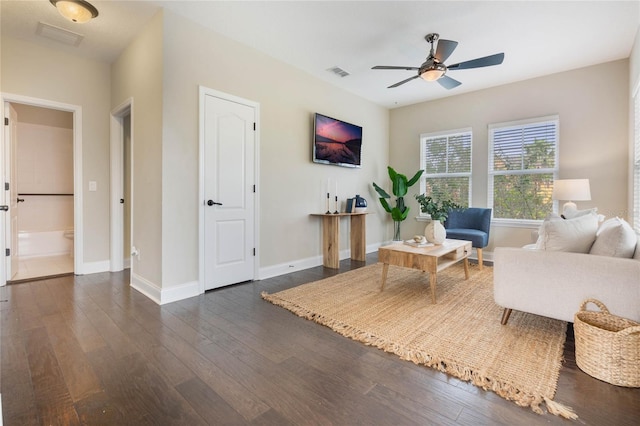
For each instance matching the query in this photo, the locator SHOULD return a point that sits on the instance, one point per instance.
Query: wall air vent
(59, 34)
(338, 71)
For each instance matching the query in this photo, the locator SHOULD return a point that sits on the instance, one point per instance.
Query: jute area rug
(460, 335)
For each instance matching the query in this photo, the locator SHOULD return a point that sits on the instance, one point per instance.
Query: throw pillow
(573, 213)
(615, 238)
(537, 235)
(574, 235)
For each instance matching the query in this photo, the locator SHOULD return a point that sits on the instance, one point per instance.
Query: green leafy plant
(400, 186)
(438, 210)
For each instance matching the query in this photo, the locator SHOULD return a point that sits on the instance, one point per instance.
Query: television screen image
(336, 142)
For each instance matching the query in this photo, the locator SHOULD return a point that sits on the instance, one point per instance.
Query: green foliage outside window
(524, 195)
(449, 188)
(447, 166)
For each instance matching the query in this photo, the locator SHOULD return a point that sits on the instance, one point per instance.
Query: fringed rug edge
(502, 389)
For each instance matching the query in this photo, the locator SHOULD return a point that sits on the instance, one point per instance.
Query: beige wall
(290, 186)
(634, 84)
(634, 63)
(44, 116)
(45, 166)
(35, 71)
(593, 133)
(138, 74)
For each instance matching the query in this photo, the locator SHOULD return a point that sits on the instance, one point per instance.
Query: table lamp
(571, 190)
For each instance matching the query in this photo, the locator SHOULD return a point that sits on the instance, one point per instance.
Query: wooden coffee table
(432, 259)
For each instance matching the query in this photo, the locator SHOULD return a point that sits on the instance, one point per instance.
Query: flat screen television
(336, 142)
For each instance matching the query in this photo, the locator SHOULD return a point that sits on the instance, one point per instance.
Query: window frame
(491, 173)
(424, 137)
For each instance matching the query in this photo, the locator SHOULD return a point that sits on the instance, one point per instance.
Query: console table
(331, 237)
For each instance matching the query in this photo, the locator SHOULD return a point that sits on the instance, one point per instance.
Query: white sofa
(555, 283)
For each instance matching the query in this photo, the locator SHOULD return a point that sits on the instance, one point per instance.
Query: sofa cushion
(478, 238)
(615, 238)
(574, 235)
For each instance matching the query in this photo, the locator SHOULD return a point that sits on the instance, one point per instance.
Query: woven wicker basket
(607, 346)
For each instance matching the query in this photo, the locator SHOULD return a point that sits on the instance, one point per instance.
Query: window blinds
(446, 160)
(523, 163)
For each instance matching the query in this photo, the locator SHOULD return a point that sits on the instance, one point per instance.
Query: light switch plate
(93, 185)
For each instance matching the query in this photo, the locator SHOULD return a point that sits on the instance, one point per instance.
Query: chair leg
(505, 316)
(479, 251)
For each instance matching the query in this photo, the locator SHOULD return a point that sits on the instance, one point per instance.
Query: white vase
(435, 232)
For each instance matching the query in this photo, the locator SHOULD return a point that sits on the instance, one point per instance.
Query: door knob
(21, 200)
(121, 200)
(4, 208)
(213, 203)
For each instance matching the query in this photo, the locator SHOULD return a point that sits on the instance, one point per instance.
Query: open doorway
(41, 187)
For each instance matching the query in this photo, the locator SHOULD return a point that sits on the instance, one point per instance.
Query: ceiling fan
(434, 69)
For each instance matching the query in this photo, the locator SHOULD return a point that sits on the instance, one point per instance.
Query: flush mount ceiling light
(75, 10)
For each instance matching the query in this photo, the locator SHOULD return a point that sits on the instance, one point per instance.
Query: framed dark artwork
(336, 142)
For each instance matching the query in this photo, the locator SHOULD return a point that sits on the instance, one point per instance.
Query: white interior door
(13, 194)
(229, 192)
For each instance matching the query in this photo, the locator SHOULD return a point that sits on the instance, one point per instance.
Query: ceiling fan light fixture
(434, 72)
(78, 11)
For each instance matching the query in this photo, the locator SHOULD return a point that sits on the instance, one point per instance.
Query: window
(523, 163)
(446, 160)
(636, 162)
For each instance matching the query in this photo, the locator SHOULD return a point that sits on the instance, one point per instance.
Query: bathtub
(49, 243)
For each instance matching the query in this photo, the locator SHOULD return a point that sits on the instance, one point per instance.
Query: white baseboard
(163, 296)
(149, 289)
(94, 267)
(309, 262)
(288, 267)
(180, 292)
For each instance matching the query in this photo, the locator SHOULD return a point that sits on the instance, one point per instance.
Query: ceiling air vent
(338, 71)
(59, 34)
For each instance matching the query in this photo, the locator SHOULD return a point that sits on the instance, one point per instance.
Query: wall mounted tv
(336, 142)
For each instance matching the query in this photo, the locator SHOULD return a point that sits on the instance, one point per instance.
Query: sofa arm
(554, 284)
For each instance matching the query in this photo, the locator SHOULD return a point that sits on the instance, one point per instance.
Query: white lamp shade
(571, 190)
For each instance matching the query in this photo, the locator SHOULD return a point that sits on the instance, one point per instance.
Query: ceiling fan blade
(486, 61)
(448, 82)
(388, 67)
(445, 49)
(402, 82)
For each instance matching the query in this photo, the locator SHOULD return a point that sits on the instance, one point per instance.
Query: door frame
(203, 92)
(78, 227)
(117, 184)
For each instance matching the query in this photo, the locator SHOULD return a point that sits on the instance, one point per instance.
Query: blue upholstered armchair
(471, 224)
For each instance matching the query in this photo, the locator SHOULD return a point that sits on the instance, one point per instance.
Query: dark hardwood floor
(90, 350)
